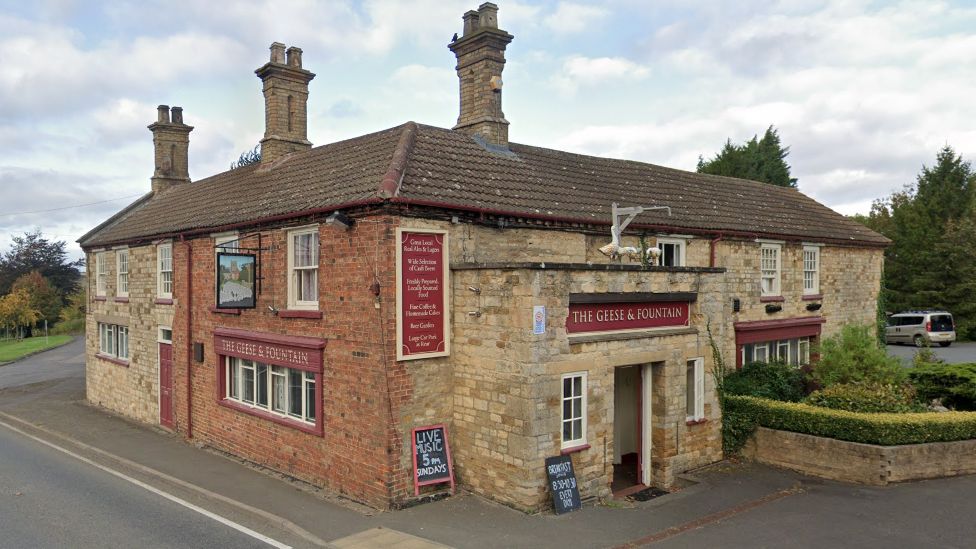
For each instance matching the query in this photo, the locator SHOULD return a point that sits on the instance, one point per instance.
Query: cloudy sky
(864, 93)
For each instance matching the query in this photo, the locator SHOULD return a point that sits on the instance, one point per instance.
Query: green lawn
(13, 349)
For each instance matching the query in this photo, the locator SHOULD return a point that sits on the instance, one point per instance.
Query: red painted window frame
(315, 346)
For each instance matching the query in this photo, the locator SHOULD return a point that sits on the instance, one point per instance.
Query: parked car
(921, 328)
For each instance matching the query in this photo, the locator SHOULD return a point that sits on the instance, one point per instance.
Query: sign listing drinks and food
(609, 317)
(422, 314)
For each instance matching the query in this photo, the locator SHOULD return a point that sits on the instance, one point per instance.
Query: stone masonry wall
(133, 389)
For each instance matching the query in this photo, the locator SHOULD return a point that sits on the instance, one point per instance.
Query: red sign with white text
(422, 314)
(610, 317)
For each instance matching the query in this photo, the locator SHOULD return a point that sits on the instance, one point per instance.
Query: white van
(921, 328)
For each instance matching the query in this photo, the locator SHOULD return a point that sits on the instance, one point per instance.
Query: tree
(930, 263)
(247, 158)
(33, 252)
(44, 298)
(758, 159)
(16, 311)
(76, 307)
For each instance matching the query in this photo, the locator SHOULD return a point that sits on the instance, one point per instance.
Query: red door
(166, 385)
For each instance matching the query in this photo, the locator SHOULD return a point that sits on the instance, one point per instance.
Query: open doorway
(626, 428)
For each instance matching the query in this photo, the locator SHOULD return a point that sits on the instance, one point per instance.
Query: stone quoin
(423, 276)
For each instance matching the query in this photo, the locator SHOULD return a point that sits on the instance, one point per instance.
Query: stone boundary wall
(860, 463)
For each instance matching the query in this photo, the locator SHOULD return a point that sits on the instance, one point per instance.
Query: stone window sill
(691, 422)
(771, 299)
(292, 313)
(121, 299)
(813, 297)
(100, 298)
(112, 359)
(220, 311)
(574, 449)
(163, 301)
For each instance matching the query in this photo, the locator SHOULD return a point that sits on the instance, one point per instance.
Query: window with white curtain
(282, 391)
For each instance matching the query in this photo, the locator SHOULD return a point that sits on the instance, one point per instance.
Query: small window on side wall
(672, 252)
(770, 269)
(695, 390)
(122, 273)
(573, 428)
(811, 270)
(101, 273)
(164, 271)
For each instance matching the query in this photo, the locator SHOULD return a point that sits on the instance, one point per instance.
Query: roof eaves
(118, 215)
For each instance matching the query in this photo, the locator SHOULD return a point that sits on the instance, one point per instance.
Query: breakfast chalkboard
(562, 482)
(431, 457)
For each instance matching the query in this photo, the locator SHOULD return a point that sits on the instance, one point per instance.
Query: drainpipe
(711, 260)
(189, 337)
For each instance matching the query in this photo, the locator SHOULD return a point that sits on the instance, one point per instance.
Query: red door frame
(166, 384)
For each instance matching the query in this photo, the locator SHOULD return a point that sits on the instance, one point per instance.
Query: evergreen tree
(758, 159)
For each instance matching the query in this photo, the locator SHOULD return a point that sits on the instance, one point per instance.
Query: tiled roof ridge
(390, 185)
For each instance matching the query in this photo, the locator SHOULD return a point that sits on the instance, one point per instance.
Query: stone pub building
(421, 275)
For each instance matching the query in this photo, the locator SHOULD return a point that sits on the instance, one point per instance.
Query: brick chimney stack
(171, 142)
(285, 103)
(480, 59)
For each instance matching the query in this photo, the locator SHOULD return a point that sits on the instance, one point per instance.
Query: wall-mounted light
(340, 220)
(475, 290)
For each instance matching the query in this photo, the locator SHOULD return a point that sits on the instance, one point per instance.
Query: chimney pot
(488, 16)
(162, 114)
(295, 57)
(471, 19)
(177, 115)
(278, 53)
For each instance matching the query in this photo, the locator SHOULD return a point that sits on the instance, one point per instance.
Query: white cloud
(571, 18)
(580, 71)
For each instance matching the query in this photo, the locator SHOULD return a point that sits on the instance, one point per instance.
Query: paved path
(64, 362)
(954, 354)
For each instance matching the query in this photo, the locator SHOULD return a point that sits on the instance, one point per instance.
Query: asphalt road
(65, 362)
(48, 499)
(954, 354)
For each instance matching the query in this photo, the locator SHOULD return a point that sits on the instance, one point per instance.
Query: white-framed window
(227, 242)
(795, 351)
(122, 273)
(113, 340)
(695, 389)
(164, 270)
(303, 268)
(285, 392)
(811, 270)
(770, 269)
(573, 409)
(672, 252)
(101, 273)
(165, 335)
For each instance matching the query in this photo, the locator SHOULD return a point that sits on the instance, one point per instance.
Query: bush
(854, 355)
(954, 384)
(867, 397)
(882, 429)
(774, 380)
(69, 327)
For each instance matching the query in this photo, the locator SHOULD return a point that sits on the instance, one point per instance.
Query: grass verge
(12, 349)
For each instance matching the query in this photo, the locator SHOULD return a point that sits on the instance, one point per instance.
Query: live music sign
(611, 317)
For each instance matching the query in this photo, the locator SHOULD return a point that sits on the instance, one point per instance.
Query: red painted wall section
(357, 454)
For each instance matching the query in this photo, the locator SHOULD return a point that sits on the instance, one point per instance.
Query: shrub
(774, 380)
(69, 327)
(867, 397)
(882, 429)
(854, 355)
(954, 384)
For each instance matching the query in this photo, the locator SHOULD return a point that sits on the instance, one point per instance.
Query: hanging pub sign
(431, 457)
(422, 294)
(235, 280)
(610, 317)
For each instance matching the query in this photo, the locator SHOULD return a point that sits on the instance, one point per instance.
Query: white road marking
(240, 528)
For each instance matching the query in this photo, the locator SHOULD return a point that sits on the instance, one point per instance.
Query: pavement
(725, 505)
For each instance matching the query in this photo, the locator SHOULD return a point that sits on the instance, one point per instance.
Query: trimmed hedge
(775, 380)
(953, 384)
(746, 413)
(868, 398)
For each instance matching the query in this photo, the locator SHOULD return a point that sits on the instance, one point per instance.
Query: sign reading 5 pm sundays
(422, 293)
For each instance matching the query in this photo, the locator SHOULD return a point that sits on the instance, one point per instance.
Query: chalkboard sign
(562, 482)
(431, 457)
